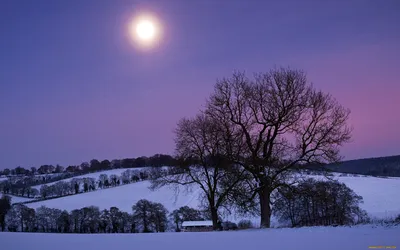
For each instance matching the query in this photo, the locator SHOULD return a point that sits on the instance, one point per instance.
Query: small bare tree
(201, 146)
(284, 124)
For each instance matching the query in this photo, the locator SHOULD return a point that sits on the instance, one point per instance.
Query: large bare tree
(202, 144)
(284, 123)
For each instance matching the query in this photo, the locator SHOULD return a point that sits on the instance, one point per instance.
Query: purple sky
(72, 88)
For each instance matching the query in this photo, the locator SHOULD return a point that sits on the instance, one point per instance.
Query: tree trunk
(177, 226)
(214, 217)
(2, 222)
(265, 198)
(145, 229)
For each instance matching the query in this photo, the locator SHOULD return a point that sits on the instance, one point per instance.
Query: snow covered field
(327, 238)
(381, 195)
(16, 199)
(123, 197)
(381, 199)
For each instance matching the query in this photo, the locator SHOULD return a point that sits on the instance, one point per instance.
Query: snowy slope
(328, 238)
(96, 175)
(16, 199)
(123, 197)
(381, 195)
(381, 199)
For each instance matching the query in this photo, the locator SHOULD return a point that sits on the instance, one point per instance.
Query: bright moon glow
(145, 30)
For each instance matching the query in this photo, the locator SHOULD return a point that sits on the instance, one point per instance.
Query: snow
(95, 175)
(17, 199)
(328, 238)
(3, 179)
(381, 195)
(123, 197)
(381, 199)
(46, 175)
(196, 223)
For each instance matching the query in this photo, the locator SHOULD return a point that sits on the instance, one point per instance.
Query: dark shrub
(245, 224)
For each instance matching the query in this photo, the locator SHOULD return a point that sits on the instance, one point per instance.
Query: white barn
(197, 226)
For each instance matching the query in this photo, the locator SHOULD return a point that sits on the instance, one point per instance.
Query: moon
(145, 31)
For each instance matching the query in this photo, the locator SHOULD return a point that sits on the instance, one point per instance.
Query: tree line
(146, 217)
(380, 166)
(157, 160)
(82, 185)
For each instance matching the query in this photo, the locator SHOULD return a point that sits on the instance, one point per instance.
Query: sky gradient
(73, 88)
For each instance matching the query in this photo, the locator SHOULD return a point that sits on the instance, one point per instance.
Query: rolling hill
(381, 199)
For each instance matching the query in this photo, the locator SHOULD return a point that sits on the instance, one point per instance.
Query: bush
(245, 224)
(228, 225)
(397, 220)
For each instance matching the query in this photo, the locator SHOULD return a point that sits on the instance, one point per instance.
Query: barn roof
(197, 223)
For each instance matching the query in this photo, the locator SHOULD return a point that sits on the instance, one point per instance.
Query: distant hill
(381, 166)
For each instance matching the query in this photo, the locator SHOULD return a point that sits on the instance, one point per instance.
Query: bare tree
(103, 178)
(126, 176)
(105, 224)
(115, 216)
(284, 124)
(44, 191)
(64, 222)
(141, 213)
(114, 179)
(46, 218)
(150, 216)
(20, 218)
(159, 217)
(201, 143)
(76, 220)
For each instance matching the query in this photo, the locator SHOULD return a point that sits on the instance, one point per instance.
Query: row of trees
(253, 137)
(79, 185)
(21, 186)
(318, 203)
(94, 165)
(23, 191)
(380, 166)
(146, 217)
